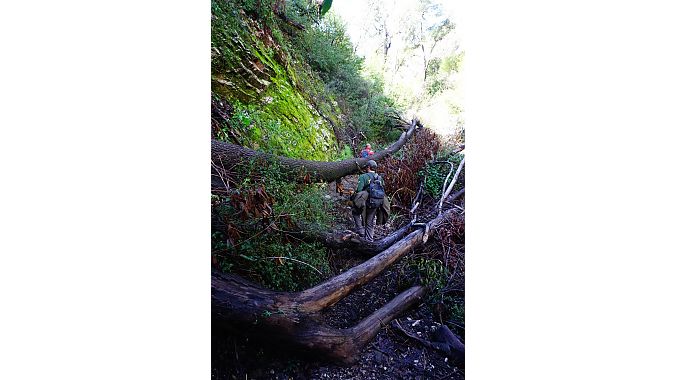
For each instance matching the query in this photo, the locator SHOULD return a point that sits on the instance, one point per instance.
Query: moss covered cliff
(255, 72)
(286, 80)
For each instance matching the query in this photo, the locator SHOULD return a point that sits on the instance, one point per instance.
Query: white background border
(104, 112)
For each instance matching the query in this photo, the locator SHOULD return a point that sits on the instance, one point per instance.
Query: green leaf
(326, 5)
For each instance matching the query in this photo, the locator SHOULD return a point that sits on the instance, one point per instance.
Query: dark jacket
(382, 213)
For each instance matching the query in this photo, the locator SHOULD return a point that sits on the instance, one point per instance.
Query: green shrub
(304, 203)
(435, 174)
(283, 266)
(392, 135)
(456, 310)
(345, 153)
(433, 274)
(428, 272)
(328, 51)
(253, 239)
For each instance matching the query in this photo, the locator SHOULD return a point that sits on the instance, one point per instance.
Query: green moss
(247, 71)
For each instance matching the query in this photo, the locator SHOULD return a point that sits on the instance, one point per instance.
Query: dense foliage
(440, 265)
(329, 52)
(437, 171)
(250, 225)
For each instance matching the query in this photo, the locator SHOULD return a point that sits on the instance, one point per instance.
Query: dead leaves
(253, 203)
(402, 175)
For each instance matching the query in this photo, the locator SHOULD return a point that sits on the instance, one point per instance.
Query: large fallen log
(294, 317)
(225, 156)
(351, 240)
(281, 317)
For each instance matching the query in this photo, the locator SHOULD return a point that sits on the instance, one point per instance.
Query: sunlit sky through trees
(407, 45)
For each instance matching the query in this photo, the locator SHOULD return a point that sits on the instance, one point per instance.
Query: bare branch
(450, 187)
(298, 261)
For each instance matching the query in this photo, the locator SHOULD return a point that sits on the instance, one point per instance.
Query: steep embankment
(270, 98)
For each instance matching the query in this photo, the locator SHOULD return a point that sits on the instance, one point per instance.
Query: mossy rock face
(249, 70)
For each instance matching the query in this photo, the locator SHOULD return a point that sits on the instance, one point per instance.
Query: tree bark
(455, 196)
(352, 241)
(294, 317)
(224, 156)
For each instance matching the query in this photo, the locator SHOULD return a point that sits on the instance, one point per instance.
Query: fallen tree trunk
(279, 316)
(455, 196)
(351, 240)
(294, 317)
(224, 156)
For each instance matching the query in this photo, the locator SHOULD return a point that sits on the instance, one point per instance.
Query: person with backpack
(368, 198)
(365, 152)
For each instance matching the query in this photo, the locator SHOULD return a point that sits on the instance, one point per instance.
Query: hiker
(365, 151)
(368, 200)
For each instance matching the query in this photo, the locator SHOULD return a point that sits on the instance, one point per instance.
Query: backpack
(376, 192)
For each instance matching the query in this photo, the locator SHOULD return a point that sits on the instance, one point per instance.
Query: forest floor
(390, 355)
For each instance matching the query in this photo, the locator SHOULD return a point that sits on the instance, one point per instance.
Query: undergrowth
(436, 172)
(252, 229)
(440, 266)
